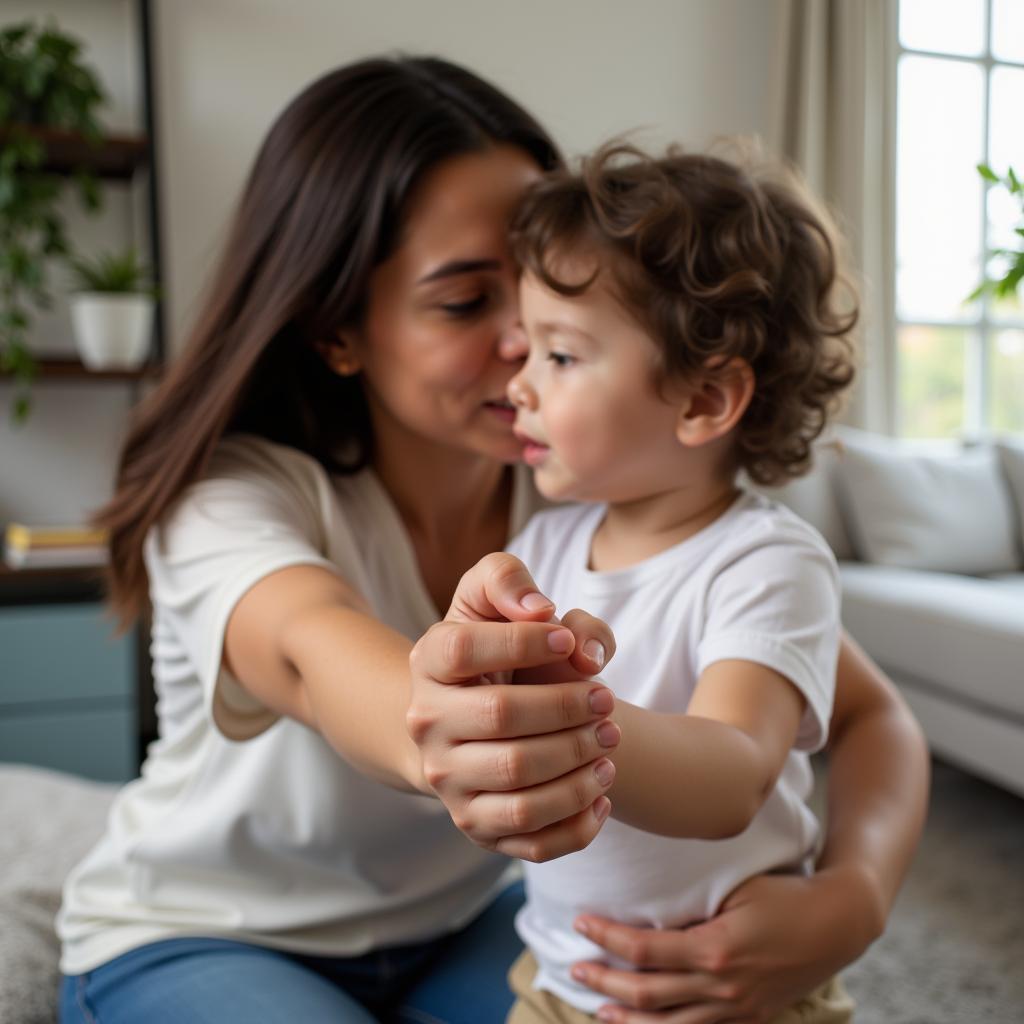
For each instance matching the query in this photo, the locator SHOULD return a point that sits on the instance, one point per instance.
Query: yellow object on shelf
(19, 537)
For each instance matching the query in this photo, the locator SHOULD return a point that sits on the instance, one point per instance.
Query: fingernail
(579, 974)
(608, 734)
(605, 771)
(560, 641)
(608, 1015)
(594, 650)
(602, 805)
(602, 701)
(534, 602)
(582, 927)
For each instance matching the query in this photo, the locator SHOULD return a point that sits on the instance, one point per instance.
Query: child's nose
(520, 393)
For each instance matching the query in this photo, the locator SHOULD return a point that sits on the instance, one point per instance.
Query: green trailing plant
(113, 272)
(43, 85)
(1005, 284)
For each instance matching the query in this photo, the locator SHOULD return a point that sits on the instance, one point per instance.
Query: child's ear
(715, 402)
(339, 353)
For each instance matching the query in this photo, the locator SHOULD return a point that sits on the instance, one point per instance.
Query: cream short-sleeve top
(246, 825)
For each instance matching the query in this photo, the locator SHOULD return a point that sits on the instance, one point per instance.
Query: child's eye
(467, 308)
(561, 359)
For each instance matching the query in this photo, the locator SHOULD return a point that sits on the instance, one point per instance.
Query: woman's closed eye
(466, 307)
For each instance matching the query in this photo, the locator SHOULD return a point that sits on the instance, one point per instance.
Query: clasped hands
(512, 729)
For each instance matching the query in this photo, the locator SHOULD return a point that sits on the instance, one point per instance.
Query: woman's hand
(521, 766)
(776, 938)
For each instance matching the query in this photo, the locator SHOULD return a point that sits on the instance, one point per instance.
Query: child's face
(588, 409)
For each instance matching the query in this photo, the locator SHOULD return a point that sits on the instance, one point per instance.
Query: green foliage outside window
(1006, 382)
(931, 380)
(1004, 286)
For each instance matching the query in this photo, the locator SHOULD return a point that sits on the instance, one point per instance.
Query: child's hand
(522, 769)
(589, 655)
(502, 575)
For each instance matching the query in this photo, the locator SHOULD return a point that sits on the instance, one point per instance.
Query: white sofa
(931, 551)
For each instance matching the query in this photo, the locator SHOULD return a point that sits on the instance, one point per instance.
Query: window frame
(980, 331)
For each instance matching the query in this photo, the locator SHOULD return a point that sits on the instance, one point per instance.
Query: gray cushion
(962, 634)
(813, 498)
(1011, 458)
(48, 821)
(943, 512)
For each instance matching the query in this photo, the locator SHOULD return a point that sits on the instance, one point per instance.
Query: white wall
(683, 69)
(686, 69)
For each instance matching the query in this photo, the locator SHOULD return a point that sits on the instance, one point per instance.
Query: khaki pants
(826, 1005)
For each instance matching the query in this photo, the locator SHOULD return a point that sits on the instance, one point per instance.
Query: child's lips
(534, 453)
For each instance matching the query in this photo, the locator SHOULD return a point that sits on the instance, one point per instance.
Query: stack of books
(46, 547)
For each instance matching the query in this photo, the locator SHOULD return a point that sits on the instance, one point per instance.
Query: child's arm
(706, 773)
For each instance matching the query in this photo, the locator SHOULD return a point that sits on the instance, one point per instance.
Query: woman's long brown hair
(322, 207)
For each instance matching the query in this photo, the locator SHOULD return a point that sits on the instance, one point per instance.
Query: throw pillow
(813, 498)
(1011, 456)
(916, 510)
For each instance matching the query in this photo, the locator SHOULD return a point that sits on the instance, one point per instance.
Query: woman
(296, 505)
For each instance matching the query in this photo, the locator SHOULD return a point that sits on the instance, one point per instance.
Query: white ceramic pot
(112, 331)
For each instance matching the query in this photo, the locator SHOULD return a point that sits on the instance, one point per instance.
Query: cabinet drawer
(99, 744)
(62, 652)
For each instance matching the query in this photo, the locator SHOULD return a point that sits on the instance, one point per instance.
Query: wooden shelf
(45, 586)
(72, 371)
(114, 157)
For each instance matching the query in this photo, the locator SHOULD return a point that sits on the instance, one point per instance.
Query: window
(960, 102)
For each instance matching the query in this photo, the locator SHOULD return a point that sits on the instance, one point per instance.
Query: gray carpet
(954, 949)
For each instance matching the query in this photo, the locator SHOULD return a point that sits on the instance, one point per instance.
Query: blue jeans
(458, 979)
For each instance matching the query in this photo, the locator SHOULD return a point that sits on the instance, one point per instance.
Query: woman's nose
(512, 344)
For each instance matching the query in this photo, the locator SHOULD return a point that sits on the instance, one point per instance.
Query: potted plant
(1004, 283)
(112, 310)
(43, 86)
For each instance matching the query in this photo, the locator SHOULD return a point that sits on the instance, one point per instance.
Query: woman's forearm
(355, 673)
(306, 645)
(877, 787)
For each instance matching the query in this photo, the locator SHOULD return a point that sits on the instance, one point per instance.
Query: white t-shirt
(759, 585)
(245, 825)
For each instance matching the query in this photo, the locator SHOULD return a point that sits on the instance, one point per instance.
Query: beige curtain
(835, 113)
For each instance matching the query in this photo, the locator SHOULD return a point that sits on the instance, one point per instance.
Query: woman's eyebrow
(453, 267)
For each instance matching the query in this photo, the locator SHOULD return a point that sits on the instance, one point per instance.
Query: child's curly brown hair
(716, 260)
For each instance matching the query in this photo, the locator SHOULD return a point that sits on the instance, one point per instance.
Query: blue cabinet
(68, 690)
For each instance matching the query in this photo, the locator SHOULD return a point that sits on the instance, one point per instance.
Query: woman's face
(441, 306)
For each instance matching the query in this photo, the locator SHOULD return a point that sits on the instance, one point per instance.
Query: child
(683, 325)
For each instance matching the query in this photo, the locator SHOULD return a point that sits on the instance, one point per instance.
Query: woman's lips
(505, 411)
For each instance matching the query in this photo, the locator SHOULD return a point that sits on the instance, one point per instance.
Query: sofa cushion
(1011, 457)
(1011, 582)
(915, 510)
(958, 633)
(813, 498)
